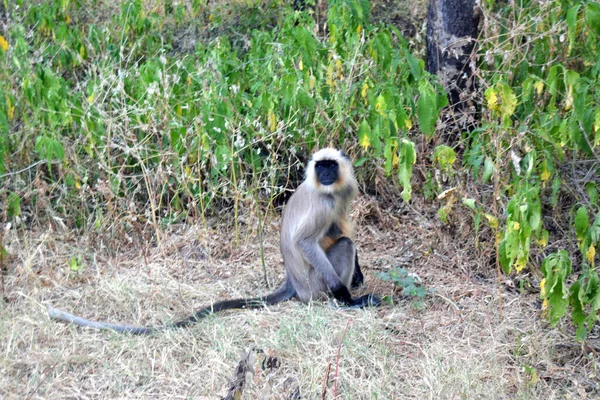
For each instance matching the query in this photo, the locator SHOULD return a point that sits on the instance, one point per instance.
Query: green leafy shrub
(109, 105)
(409, 284)
(541, 125)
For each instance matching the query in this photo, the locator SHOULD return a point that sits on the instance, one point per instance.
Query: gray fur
(309, 216)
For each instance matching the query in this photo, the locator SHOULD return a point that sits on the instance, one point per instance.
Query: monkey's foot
(368, 300)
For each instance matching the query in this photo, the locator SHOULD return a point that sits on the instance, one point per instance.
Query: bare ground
(456, 346)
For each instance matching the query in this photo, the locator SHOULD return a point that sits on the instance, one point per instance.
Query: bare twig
(337, 359)
(325, 380)
(3, 269)
(35, 164)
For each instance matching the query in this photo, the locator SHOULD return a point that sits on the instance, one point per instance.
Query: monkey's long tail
(285, 292)
(60, 315)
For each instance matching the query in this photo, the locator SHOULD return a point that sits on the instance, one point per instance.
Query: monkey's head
(330, 171)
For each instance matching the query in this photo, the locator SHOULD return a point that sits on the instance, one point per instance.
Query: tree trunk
(451, 33)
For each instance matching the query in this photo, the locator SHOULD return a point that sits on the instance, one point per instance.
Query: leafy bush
(539, 143)
(409, 284)
(110, 105)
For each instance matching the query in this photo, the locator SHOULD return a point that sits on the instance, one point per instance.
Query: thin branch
(35, 164)
(337, 360)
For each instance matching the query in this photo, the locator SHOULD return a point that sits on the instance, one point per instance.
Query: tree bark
(451, 34)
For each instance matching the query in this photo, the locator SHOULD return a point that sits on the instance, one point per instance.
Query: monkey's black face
(327, 172)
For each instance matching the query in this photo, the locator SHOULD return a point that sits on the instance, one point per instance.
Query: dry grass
(456, 347)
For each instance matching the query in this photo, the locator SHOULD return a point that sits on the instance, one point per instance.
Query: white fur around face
(345, 170)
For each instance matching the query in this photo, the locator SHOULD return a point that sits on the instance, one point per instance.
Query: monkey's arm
(315, 256)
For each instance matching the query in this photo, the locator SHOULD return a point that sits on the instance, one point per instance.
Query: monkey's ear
(343, 154)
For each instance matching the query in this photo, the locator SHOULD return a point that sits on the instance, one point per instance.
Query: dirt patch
(456, 346)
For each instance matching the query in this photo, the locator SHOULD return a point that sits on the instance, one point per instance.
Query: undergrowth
(109, 119)
(146, 115)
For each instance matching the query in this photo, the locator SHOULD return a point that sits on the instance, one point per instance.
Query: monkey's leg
(357, 277)
(342, 256)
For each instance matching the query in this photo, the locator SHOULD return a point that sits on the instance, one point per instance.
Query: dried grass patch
(456, 347)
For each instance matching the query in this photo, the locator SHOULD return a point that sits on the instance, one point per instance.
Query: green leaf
(594, 230)
(572, 25)
(592, 16)
(592, 192)
(577, 308)
(469, 203)
(360, 162)
(13, 205)
(505, 261)
(406, 160)
(427, 110)
(582, 223)
(445, 157)
(535, 215)
(364, 135)
(49, 148)
(488, 169)
(305, 101)
(556, 268)
(415, 68)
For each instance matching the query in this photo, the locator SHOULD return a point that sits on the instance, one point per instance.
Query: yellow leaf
(508, 101)
(91, 98)
(380, 105)
(539, 86)
(11, 112)
(590, 254)
(272, 121)
(569, 98)
(534, 377)
(516, 226)
(408, 123)
(365, 89)
(311, 82)
(520, 264)
(395, 159)
(545, 175)
(359, 29)
(329, 79)
(178, 110)
(365, 142)
(338, 67)
(77, 185)
(300, 65)
(544, 306)
(543, 288)
(543, 241)
(493, 221)
(189, 80)
(493, 101)
(67, 19)
(3, 43)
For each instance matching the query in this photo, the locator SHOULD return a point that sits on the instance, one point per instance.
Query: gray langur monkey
(316, 244)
